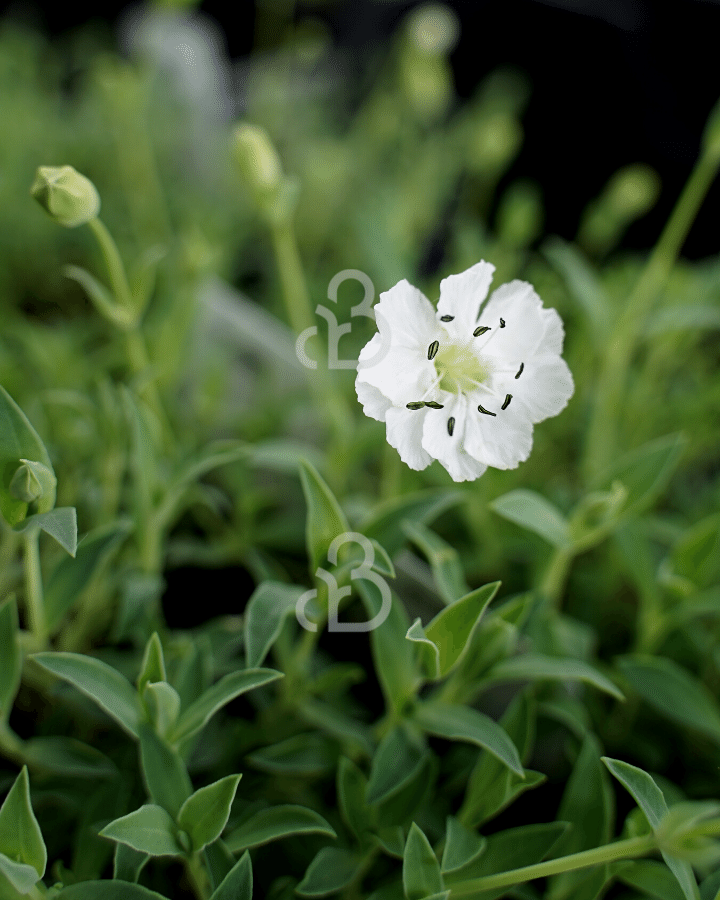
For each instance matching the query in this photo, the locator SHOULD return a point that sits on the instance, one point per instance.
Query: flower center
(459, 367)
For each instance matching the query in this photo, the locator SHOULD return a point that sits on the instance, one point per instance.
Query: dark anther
(502, 323)
(451, 425)
(433, 404)
(486, 411)
(433, 349)
(522, 366)
(416, 404)
(508, 398)
(481, 329)
(446, 318)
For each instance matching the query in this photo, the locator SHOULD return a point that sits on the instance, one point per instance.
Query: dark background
(613, 82)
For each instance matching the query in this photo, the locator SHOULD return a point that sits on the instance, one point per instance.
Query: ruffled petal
(407, 314)
(543, 390)
(404, 433)
(529, 328)
(461, 296)
(449, 449)
(503, 440)
(403, 375)
(374, 403)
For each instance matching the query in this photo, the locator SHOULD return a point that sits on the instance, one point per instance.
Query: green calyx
(69, 197)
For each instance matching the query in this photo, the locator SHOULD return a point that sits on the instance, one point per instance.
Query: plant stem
(553, 582)
(113, 262)
(34, 600)
(601, 439)
(627, 849)
(197, 876)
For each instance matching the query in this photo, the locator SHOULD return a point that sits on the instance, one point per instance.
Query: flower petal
(408, 315)
(503, 440)
(404, 433)
(374, 403)
(461, 296)
(449, 449)
(403, 375)
(543, 390)
(529, 327)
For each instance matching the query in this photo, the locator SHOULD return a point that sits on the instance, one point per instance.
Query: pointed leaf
(204, 815)
(652, 878)
(462, 723)
(421, 870)
(149, 829)
(536, 666)
(103, 684)
(532, 511)
(325, 518)
(462, 845)
(104, 302)
(22, 877)
(329, 872)
(67, 756)
(395, 761)
(443, 558)
(238, 884)
(274, 823)
(164, 773)
(60, 523)
(452, 629)
(152, 667)
(10, 656)
(20, 837)
(268, 607)
(303, 754)
(128, 863)
(351, 788)
(230, 686)
(385, 522)
(107, 890)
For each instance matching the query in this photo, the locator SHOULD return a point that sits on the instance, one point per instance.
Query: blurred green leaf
(128, 863)
(108, 890)
(462, 845)
(421, 870)
(652, 878)
(384, 523)
(164, 773)
(275, 823)
(534, 512)
(351, 791)
(21, 841)
(396, 760)
(325, 518)
(444, 560)
(68, 756)
(238, 884)
(536, 667)
(329, 872)
(10, 656)
(582, 283)
(304, 754)
(268, 607)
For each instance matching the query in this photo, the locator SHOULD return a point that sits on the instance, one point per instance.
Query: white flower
(461, 387)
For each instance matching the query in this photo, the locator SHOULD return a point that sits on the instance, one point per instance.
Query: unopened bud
(31, 481)
(69, 197)
(256, 158)
(633, 191)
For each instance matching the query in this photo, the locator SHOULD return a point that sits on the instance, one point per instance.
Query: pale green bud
(495, 142)
(69, 197)
(256, 158)
(32, 481)
(520, 215)
(434, 29)
(633, 191)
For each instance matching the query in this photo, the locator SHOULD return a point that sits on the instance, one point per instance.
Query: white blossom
(464, 385)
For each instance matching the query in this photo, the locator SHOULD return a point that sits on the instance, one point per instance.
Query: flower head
(463, 385)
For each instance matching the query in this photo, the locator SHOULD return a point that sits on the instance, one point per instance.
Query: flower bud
(69, 197)
(31, 481)
(256, 158)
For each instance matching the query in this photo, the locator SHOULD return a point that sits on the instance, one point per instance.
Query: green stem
(8, 550)
(113, 263)
(556, 574)
(34, 600)
(627, 849)
(197, 876)
(602, 433)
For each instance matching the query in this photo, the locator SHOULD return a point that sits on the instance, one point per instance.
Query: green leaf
(462, 723)
(99, 681)
(396, 761)
(149, 829)
(152, 667)
(238, 884)
(218, 861)
(582, 283)
(462, 845)
(645, 472)
(673, 692)
(696, 556)
(204, 815)
(164, 773)
(72, 575)
(450, 632)
(104, 302)
(537, 667)
(303, 754)
(351, 790)
(400, 807)
(679, 317)
(652, 878)
(349, 731)
(443, 558)
(18, 440)
(162, 703)
(20, 837)
(108, 890)
(268, 607)
(67, 756)
(651, 801)
(421, 870)
(277, 822)
(59, 523)
(21, 876)
(10, 656)
(532, 511)
(128, 863)
(385, 523)
(230, 686)
(325, 518)
(330, 871)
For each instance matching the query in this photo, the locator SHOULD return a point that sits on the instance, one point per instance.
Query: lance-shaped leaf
(128, 863)
(351, 788)
(204, 815)
(149, 829)
(59, 523)
(103, 684)
(651, 801)
(462, 723)
(536, 666)
(268, 607)
(385, 522)
(325, 519)
(532, 511)
(152, 667)
(230, 686)
(21, 840)
(238, 883)
(462, 845)
(396, 760)
(108, 890)
(10, 656)
(329, 872)
(443, 558)
(421, 870)
(446, 638)
(164, 773)
(274, 823)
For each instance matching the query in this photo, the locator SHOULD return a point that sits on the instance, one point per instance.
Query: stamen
(446, 318)
(507, 401)
(481, 329)
(451, 425)
(502, 323)
(522, 366)
(415, 404)
(433, 404)
(486, 411)
(433, 349)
